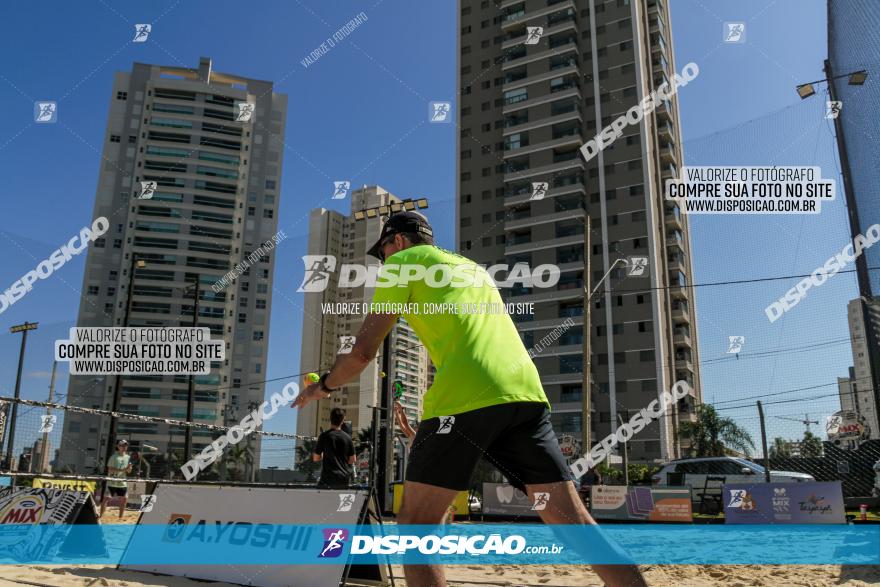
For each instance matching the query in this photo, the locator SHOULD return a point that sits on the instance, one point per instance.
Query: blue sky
(360, 113)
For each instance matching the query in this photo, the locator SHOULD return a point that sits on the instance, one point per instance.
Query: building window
(260, 304)
(258, 335)
(242, 318)
(93, 290)
(115, 138)
(270, 184)
(122, 95)
(268, 213)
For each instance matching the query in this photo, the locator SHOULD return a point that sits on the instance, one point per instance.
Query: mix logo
(533, 35)
(346, 502)
(636, 266)
(440, 112)
(176, 527)
(833, 109)
(318, 270)
(142, 32)
(47, 423)
(446, 423)
(541, 501)
(346, 344)
(244, 111)
(539, 190)
(45, 112)
(734, 32)
(334, 542)
(148, 188)
(735, 344)
(340, 189)
(148, 502)
(25, 509)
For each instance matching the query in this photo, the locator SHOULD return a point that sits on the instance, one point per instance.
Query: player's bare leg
(424, 504)
(565, 507)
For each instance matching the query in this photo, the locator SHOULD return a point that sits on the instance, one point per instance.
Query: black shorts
(117, 491)
(515, 437)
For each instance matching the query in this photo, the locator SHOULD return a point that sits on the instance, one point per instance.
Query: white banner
(183, 506)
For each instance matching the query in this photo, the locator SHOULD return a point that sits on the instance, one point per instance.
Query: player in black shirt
(336, 451)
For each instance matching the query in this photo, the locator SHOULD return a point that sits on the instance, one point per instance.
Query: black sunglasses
(382, 245)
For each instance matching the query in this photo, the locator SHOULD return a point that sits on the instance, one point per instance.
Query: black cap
(402, 222)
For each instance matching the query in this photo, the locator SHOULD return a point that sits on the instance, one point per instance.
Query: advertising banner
(784, 503)
(72, 484)
(200, 516)
(503, 499)
(51, 513)
(648, 504)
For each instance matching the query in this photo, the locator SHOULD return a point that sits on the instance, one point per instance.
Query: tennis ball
(312, 378)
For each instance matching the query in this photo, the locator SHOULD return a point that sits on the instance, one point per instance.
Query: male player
(478, 404)
(118, 466)
(335, 450)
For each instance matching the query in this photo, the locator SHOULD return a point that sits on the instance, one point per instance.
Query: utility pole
(764, 442)
(191, 392)
(44, 457)
(624, 450)
(23, 328)
(862, 275)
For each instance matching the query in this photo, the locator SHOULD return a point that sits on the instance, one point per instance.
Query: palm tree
(712, 435)
(780, 448)
(239, 457)
(364, 439)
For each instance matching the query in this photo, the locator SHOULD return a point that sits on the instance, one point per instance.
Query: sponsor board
(209, 517)
(72, 484)
(646, 504)
(51, 513)
(503, 499)
(784, 503)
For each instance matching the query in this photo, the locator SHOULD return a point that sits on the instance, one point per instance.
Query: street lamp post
(23, 328)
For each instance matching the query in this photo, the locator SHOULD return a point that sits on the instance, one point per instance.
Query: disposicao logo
(334, 542)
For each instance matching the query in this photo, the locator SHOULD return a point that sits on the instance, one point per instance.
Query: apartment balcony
(548, 324)
(654, 7)
(561, 378)
(574, 188)
(572, 139)
(532, 220)
(552, 168)
(669, 172)
(665, 130)
(509, 23)
(574, 91)
(668, 154)
(657, 24)
(680, 314)
(527, 247)
(684, 365)
(539, 77)
(678, 292)
(548, 31)
(676, 265)
(664, 112)
(682, 339)
(530, 57)
(673, 218)
(564, 117)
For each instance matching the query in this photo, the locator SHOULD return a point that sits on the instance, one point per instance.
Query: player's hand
(310, 393)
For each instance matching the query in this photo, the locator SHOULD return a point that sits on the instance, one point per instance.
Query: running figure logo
(533, 34)
(142, 32)
(734, 32)
(45, 112)
(47, 423)
(148, 188)
(147, 503)
(318, 270)
(346, 502)
(635, 266)
(539, 190)
(541, 501)
(346, 344)
(244, 111)
(334, 540)
(833, 111)
(440, 111)
(340, 189)
(446, 423)
(735, 344)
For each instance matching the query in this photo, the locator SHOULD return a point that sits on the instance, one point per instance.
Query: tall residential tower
(537, 80)
(217, 183)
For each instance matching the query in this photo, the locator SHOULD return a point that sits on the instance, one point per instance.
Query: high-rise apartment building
(862, 398)
(217, 185)
(537, 80)
(326, 323)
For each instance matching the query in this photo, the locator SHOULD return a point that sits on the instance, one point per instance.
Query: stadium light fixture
(422, 203)
(23, 327)
(409, 205)
(360, 215)
(857, 78)
(805, 91)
